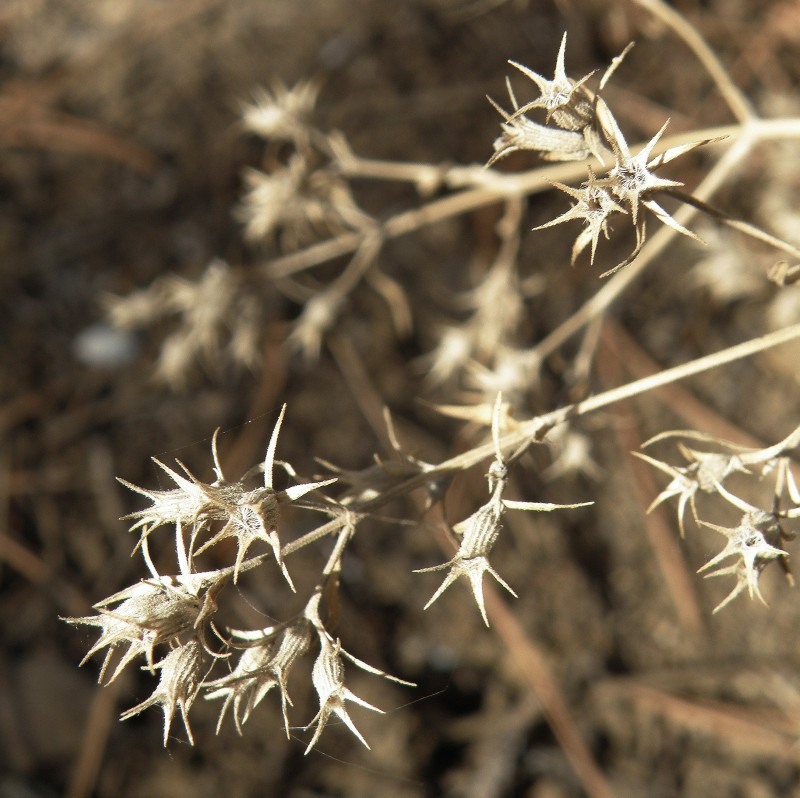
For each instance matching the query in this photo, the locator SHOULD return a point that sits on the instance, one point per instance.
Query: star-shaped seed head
(631, 179)
(264, 664)
(159, 610)
(147, 614)
(177, 688)
(706, 472)
(749, 543)
(253, 515)
(594, 205)
(328, 678)
(281, 114)
(192, 502)
(479, 532)
(568, 105)
(566, 101)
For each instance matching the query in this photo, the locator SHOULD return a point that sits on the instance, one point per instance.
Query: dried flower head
(192, 502)
(566, 101)
(450, 355)
(215, 318)
(752, 543)
(255, 514)
(299, 202)
(706, 472)
(328, 672)
(756, 539)
(281, 114)
(328, 678)
(157, 610)
(145, 616)
(522, 133)
(265, 663)
(479, 532)
(247, 515)
(177, 688)
(594, 205)
(318, 317)
(633, 179)
(271, 199)
(497, 306)
(570, 130)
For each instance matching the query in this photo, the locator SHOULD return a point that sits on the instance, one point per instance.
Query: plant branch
(485, 187)
(535, 428)
(654, 246)
(739, 104)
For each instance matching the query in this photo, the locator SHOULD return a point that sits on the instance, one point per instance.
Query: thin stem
(676, 373)
(536, 428)
(364, 257)
(603, 299)
(746, 137)
(316, 534)
(346, 533)
(488, 188)
(739, 104)
(148, 560)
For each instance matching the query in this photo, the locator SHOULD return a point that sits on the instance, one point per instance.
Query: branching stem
(535, 428)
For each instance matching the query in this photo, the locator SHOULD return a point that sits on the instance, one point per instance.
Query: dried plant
(478, 533)
(578, 125)
(218, 320)
(756, 539)
(301, 210)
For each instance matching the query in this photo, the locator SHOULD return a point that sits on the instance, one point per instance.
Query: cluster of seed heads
(176, 613)
(170, 622)
(755, 541)
(579, 125)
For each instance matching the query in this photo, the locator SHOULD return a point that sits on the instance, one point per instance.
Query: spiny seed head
(146, 615)
(264, 664)
(566, 101)
(191, 502)
(706, 472)
(279, 113)
(247, 515)
(749, 543)
(177, 688)
(595, 204)
(328, 679)
(479, 532)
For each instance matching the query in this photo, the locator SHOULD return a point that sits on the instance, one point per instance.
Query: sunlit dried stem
(537, 427)
(736, 101)
(482, 187)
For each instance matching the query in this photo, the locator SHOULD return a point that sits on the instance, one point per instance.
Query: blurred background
(121, 161)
